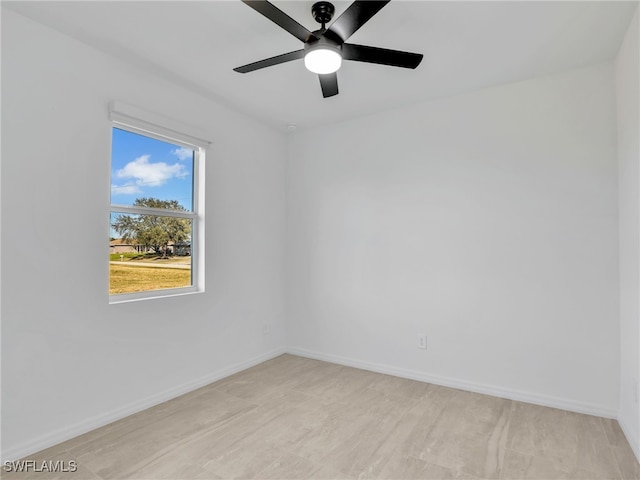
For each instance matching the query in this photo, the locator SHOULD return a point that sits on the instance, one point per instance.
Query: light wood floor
(298, 418)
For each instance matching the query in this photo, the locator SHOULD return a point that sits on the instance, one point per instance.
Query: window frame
(134, 120)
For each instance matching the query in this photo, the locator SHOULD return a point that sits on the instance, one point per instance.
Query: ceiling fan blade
(383, 56)
(269, 62)
(358, 13)
(329, 84)
(280, 18)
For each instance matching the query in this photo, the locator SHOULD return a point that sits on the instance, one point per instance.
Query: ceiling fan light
(323, 60)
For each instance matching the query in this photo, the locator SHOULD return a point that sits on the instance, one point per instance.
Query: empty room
(346, 240)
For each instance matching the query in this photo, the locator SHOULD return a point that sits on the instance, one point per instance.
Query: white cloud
(183, 153)
(151, 174)
(128, 189)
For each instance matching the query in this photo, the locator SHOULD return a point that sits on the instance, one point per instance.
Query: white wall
(487, 221)
(627, 84)
(71, 361)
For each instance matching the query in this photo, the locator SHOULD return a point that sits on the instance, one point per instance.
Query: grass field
(148, 257)
(129, 279)
(125, 256)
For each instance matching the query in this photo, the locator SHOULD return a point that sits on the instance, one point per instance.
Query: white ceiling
(466, 46)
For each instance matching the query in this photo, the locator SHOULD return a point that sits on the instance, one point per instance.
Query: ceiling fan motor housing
(322, 41)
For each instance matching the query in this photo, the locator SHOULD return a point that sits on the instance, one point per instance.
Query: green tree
(152, 231)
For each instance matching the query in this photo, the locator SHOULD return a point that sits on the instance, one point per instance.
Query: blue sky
(146, 167)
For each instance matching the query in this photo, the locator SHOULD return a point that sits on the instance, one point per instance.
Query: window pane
(149, 252)
(146, 168)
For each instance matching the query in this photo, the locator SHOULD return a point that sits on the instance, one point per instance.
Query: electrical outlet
(266, 329)
(422, 341)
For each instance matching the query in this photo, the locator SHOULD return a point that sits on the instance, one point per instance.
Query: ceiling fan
(324, 49)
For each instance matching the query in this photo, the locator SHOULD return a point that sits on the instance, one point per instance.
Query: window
(156, 213)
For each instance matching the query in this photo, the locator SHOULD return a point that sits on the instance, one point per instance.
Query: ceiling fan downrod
(323, 13)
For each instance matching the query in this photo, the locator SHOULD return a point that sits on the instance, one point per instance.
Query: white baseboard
(527, 397)
(631, 438)
(71, 431)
